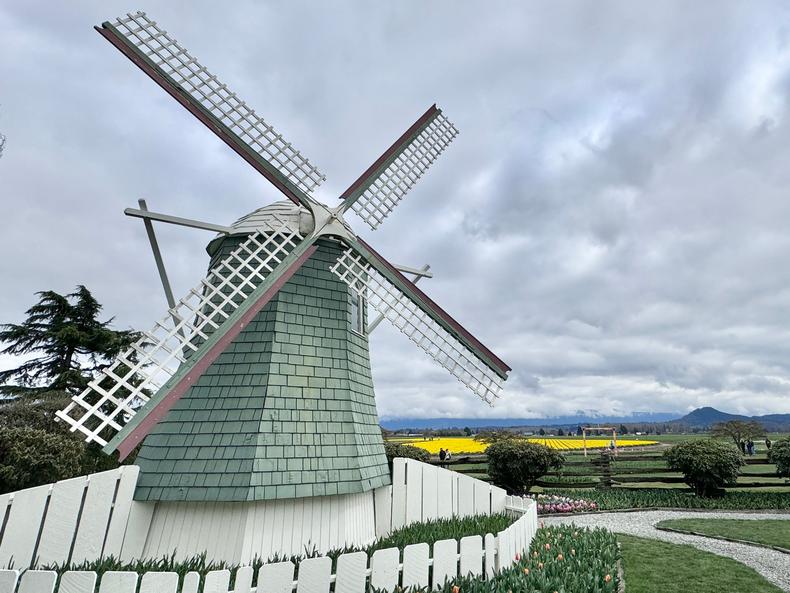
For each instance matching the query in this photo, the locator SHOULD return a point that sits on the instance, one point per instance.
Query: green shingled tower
(286, 411)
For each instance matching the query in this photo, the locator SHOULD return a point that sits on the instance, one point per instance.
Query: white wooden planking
(314, 574)
(415, 566)
(77, 581)
(217, 581)
(498, 497)
(430, 498)
(95, 516)
(482, 498)
(8, 579)
(159, 582)
(191, 583)
(471, 555)
(350, 576)
(466, 496)
(489, 545)
(118, 582)
(137, 528)
(414, 492)
(445, 561)
(276, 578)
(21, 530)
(384, 569)
(398, 493)
(243, 583)
(37, 581)
(121, 510)
(60, 523)
(444, 493)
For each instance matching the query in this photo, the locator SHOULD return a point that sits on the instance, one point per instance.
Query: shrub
(516, 465)
(780, 455)
(707, 466)
(31, 457)
(393, 450)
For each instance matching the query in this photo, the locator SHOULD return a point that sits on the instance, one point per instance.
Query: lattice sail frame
(123, 387)
(418, 326)
(183, 69)
(389, 188)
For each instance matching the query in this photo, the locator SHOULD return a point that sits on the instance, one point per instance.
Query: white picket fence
(418, 565)
(422, 492)
(94, 516)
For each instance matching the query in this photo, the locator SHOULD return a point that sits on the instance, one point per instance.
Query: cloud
(611, 220)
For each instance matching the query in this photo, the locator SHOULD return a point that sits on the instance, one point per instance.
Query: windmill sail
(180, 74)
(114, 397)
(421, 320)
(379, 189)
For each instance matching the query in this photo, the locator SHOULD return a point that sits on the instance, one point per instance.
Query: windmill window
(357, 316)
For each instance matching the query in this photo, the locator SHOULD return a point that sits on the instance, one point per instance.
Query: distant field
(458, 445)
(635, 467)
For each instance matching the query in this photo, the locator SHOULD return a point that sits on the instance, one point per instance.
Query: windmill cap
(263, 219)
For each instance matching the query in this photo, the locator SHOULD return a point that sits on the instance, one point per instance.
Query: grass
(652, 566)
(771, 532)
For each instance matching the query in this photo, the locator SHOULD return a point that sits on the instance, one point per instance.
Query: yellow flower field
(469, 445)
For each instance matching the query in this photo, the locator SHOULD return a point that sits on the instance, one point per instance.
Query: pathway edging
(725, 538)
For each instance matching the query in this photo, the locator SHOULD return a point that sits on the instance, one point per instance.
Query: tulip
(526, 571)
(456, 589)
(518, 557)
(607, 578)
(573, 552)
(548, 546)
(540, 565)
(560, 556)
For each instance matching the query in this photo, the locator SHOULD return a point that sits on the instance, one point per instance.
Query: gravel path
(773, 565)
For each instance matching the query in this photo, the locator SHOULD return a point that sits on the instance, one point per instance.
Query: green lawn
(652, 566)
(773, 532)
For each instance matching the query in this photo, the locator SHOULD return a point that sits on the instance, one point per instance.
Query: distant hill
(482, 423)
(706, 417)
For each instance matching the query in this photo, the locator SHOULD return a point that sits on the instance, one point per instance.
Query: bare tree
(738, 430)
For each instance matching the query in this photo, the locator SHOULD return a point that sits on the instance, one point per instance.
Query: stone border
(674, 509)
(620, 571)
(724, 538)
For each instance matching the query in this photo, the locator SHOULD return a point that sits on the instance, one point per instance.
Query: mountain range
(701, 418)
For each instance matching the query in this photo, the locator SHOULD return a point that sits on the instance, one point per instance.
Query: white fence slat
(498, 496)
(159, 582)
(445, 561)
(140, 515)
(21, 530)
(384, 570)
(217, 581)
(77, 581)
(444, 494)
(118, 581)
(95, 516)
(466, 496)
(8, 578)
(415, 566)
(314, 574)
(471, 555)
(490, 552)
(191, 582)
(350, 574)
(482, 498)
(276, 578)
(38, 581)
(413, 491)
(382, 501)
(243, 582)
(120, 511)
(398, 493)
(60, 524)
(430, 499)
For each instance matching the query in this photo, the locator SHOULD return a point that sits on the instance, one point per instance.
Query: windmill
(256, 384)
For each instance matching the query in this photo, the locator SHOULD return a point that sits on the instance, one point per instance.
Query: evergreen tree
(70, 342)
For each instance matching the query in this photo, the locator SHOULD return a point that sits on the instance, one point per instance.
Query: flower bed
(554, 503)
(631, 498)
(563, 558)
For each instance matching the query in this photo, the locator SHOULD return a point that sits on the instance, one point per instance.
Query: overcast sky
(612, 220)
